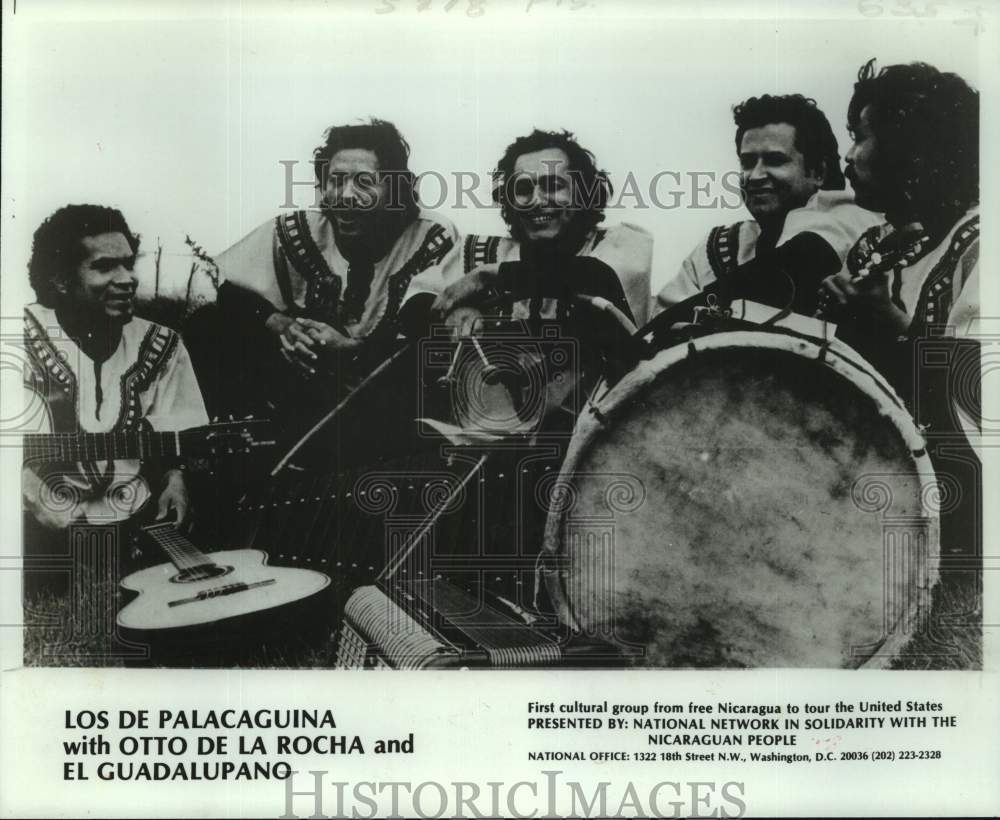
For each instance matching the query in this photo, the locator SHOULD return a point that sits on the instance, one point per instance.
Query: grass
(53, 637)
(953, 637)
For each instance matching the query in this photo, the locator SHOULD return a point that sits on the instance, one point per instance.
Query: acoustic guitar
(220, 438)
(197, 588)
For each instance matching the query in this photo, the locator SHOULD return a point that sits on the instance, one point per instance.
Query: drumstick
(393, 566)
(479, 350)
(490, 371)
(447, 377)
(369, 379)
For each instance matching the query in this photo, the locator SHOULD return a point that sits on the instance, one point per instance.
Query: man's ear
(819, 173)
(61, 285)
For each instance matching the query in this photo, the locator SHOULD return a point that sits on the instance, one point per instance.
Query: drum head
(748, 502)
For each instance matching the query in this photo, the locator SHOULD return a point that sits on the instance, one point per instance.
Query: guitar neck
(72, 447)
(182, 553)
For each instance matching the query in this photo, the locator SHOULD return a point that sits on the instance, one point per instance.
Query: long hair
(592, 188)
(57, 250)
(383, 139)
(926, 127)
(814, 137)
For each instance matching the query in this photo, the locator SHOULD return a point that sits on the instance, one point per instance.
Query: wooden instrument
(216, 439)
(746, 499)
(198, 588)
(435, 624)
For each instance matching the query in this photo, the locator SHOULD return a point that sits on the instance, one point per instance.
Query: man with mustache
(908, 295)
(552, 197)
(803, 219)
(99, 369)
(312, 291)
(915, 157)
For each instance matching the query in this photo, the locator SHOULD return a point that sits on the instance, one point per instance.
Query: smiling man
(792, 186)
(312, 291)
(552, 197)
(97, 368)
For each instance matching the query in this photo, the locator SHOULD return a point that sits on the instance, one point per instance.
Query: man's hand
(465, 322)
(328, 337)
(174, 497)
(297, 346)
(304, 341)
(468, 290)
(868, 298)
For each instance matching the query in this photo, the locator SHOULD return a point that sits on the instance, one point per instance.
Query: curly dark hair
(813, 135)
(57, 250)
(390, 148)
(592, 187)
(926, 128)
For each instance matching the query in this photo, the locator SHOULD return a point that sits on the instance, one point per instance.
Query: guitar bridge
(216, 592)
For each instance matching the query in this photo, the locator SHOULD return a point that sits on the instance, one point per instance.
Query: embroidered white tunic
(147, 379)
(626, 248)
(285, 259)
(830, 214)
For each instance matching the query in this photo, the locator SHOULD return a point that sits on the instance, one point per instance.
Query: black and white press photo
(567, 341)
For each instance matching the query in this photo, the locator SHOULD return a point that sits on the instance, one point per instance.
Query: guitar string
(115, 444)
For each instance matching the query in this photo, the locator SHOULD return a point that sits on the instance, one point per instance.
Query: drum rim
(600, 415)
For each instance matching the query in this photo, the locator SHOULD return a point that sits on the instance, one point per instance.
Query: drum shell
(708, 535)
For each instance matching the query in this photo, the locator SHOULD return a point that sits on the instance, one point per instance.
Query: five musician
(312, 300)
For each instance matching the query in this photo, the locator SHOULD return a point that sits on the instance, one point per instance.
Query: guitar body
(239, 584)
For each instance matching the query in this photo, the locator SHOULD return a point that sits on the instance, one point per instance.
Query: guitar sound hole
(202, 572)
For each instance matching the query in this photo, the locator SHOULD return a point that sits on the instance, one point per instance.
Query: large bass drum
(746, 499)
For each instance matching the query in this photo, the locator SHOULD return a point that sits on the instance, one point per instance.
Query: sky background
(180, 114)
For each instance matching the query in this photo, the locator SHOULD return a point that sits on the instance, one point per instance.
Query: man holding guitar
(99, 369)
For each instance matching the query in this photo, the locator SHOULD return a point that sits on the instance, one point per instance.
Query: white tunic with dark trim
(939, 290)
(147, 381)
(830, 214)
(627, 249)
(293, 261)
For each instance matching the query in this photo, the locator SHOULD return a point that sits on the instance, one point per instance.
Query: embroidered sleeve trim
(937, 293)
(479, 250)
(722, 246)
(50, 377)
(157, 346)
(300, 248)
(432, 250)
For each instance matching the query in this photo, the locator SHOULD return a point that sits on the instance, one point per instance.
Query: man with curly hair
(98, 368)
(803, 220)
(552, 197)
(315, 292)
(912, 282)
(915, 157)
(908, 295)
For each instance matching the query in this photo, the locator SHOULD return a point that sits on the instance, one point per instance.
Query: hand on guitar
(867, 298)
(174, 498)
